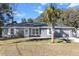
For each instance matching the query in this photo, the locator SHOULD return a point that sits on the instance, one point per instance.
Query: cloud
(61, 3)
(43, 3)
(39, 7)
(19, 14)
(39, 11)
(73, 5)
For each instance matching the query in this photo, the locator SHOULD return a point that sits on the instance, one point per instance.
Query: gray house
(40, 30)
(37, 30)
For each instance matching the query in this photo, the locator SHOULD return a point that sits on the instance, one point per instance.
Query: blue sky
(33, 10)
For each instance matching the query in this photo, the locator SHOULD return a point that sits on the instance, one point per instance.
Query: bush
(62, 41)
(67, 40)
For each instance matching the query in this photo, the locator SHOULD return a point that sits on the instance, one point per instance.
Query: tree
(30, 20)
(1, 23)
(72, 18)
(6, 14)
(4, 8)
(51, 15)
(24, 20)
(6, 11)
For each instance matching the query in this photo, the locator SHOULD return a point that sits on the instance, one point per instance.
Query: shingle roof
(27, 25)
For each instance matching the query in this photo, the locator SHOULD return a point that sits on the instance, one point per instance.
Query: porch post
(14, 31)
(24, 32)
(9, 32)
(28, 32)
(2, 32)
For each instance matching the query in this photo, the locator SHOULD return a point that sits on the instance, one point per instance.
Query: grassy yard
(37, 48)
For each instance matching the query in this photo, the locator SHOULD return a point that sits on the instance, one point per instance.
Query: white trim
(35, 32)
(9, 31)
(27, 27)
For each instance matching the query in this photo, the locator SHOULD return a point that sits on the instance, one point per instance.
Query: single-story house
(40, 30)
(37, 30)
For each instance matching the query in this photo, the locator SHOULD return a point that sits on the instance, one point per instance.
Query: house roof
(26, 25)
(37, 25)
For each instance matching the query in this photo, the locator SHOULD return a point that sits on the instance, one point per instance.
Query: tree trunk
(75, 32)
(0, 32)
(52, 33)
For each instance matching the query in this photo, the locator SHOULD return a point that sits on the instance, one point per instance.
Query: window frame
(35, 31)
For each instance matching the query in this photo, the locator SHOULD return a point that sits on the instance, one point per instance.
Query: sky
(33, 10)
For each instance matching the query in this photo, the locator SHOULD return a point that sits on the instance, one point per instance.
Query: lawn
(17, 47)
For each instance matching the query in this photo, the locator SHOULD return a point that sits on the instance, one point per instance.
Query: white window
(35, 32)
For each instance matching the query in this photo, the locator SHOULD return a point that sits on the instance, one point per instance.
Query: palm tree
(51, 15)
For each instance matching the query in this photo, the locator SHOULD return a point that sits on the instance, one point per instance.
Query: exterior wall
(63, 32)
(16, 32)
(34, 32)
(6, 32)
(26, 32)
(19, 32)
(45, 33)
(78, 33)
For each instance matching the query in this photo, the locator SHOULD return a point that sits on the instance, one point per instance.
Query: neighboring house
(65, 32)
(40, 30)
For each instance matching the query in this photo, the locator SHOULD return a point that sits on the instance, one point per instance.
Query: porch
(33, 32)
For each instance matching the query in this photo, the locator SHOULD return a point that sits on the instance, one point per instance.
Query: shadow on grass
(4, 39)
(17, 40)
(31, 40)
(38, 39)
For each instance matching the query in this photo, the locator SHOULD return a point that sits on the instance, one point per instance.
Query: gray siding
(5, 32)
(44, 33)
(64, 32)
(26, 32)
(78, 33)
(19, 32)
